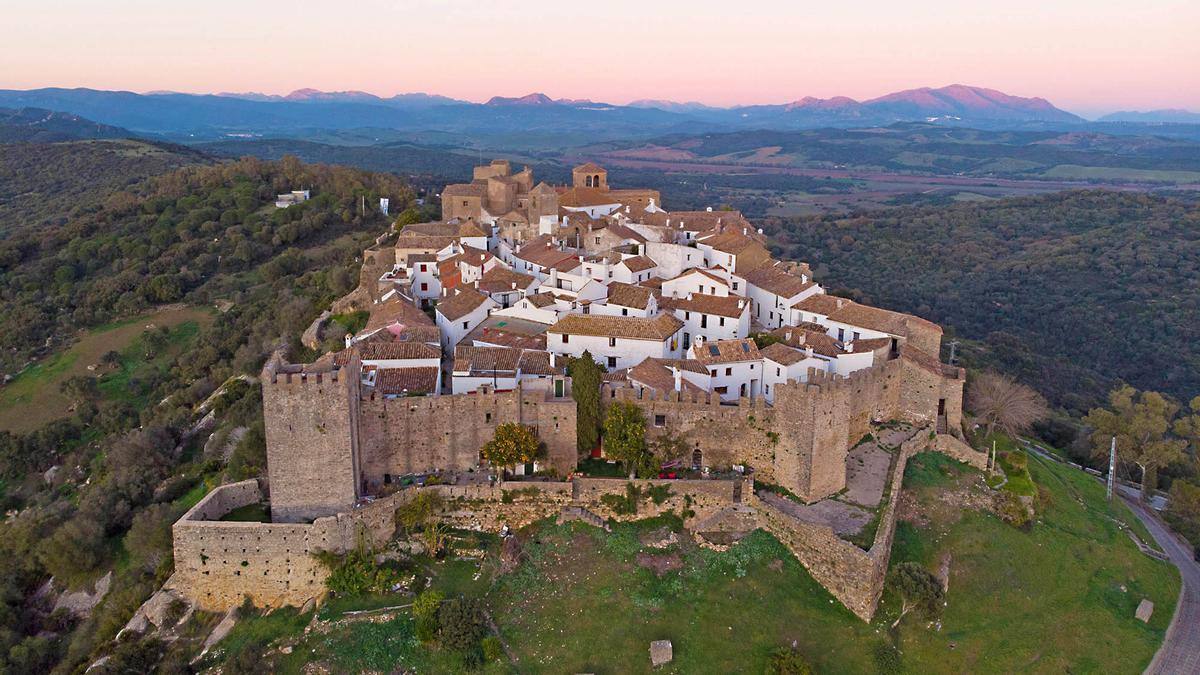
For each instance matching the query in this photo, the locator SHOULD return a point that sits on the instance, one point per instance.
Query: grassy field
(33, 397)
(1058, 598)
(1075, 172)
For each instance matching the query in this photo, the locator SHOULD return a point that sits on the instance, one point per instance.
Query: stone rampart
(418, 434)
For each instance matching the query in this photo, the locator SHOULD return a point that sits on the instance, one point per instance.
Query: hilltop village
(471, 322)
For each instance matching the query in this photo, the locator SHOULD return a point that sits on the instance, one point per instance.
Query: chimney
(745, 231)
(445, 292)
(850, 347)
(514, 285)
(709, 209)
(787, 337)
(553, 359)
(741, 303)
(678, 379)
(808, 352)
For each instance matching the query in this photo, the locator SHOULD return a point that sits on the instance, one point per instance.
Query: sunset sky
(1087, 56)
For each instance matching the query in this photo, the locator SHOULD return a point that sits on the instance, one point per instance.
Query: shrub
(658, 493)
(462, 625)
(626, 504)
(425, 611)
(788, 661)
(492, 649)
(357, 574)
(887, 659)
(1011, 508)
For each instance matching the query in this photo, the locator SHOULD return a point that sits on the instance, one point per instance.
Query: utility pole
(1112, 467)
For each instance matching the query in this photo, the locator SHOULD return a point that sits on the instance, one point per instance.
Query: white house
(617, 341)
(698, 280)
(736, 252)
(735, 367)
(459, 313)
(505, 286)
(785, 364)
(673, 259)
(499, 367)
(774, 290)
(539, 307)
(634, 269)
(710, 317)
(626, 300)
(422, 271)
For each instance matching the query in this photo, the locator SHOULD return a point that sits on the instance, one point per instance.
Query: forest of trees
(196, 235)
(1069, 292)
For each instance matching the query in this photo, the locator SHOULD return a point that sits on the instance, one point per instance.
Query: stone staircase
(579, 513)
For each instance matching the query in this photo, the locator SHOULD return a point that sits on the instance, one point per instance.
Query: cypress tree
(585, 389)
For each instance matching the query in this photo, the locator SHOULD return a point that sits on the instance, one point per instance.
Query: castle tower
(310, 417)
(589, 175)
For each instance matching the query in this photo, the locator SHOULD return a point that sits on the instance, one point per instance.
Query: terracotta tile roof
(654, 284)
(701, 221)
(373, 350)
(775, 279)
(500, 279)
(628, 295)
(465, 190)
(847, 311)
(658, 328)
(701, 270)
(471, 229)
(406, 381)
(542, 251)
(782, 354)
(709, 304)
(414, 258)
(725, 351)
(800, 337)
(656, 374)
(395, 310)
(475, 257)
(540, 300)
(585, 196)
(542, 189)
(627, 233)
(870, 345)
(537, 362)
(485, 359)
(590, 167)
(639, 263)
(463, 303)
(508, 331)
(425, 241)
(729, 242)
(514, 216)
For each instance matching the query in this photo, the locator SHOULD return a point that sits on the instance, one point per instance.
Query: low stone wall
(954, 447)
(218, 563)
(854, 576)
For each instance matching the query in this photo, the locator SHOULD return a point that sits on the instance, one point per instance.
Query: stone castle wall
(409, 435)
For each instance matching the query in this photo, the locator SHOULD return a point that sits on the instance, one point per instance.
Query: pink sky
(1089, 57)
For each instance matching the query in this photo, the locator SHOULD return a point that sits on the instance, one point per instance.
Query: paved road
(1180, 651)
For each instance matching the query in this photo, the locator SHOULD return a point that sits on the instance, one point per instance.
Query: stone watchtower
(310, 416)
(589, 175)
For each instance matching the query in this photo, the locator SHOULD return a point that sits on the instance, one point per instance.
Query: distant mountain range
(534, 120)
(36, 125)
(1165, 116)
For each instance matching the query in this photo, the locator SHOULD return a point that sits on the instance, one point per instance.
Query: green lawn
(1047, 600)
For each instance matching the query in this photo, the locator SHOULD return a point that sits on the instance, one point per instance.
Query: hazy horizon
(1090, 58)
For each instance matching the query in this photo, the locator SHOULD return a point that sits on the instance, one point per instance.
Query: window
(687, 316)
(624, 312)
(728, 372)
(855, 335)
(735, 285)
(841, 334)
(751, 366)
(464, 202)
(777, 373)
(424, 286)
(466, 324)
(597, 240)
(714, 372)
(564, 338)
(660, 420)
(487, 417)
(612, 342)
(612, 362)
(704, 321)
(722, 321)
